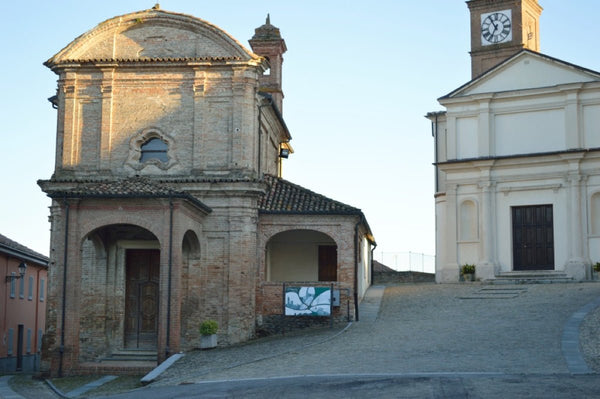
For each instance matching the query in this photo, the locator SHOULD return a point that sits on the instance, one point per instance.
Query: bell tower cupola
(267, 42)
(500, 29)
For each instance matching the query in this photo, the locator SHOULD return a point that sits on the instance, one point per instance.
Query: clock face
(496, 27)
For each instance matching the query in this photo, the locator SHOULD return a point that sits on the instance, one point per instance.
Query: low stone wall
(393, 277)
(277, 324)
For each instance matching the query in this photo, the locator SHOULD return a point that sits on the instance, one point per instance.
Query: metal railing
(407, 261)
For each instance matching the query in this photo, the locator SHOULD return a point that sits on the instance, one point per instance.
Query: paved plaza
(417, 340)
(419, 329)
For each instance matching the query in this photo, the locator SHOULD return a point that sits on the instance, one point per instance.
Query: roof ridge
(7, 242)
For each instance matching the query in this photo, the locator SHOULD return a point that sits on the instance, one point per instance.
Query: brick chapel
(168, 202)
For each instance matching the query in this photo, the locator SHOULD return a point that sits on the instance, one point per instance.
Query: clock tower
(501, 28)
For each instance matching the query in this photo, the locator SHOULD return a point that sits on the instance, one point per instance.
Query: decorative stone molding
(135, 152)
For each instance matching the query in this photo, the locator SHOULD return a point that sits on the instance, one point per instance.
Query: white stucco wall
(529, 132)
(526, 134)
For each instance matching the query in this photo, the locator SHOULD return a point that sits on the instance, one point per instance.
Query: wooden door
(533, 237)
(327, 263)
(142, 293)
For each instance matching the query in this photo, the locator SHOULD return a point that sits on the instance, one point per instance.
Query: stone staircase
(131, 355)
(531, 277)
(124, 361)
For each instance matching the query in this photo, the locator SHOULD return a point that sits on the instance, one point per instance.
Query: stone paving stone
(424, 328)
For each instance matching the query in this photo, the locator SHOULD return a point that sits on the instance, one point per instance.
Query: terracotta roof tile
(285, 197)
(15, 247)
(135, 187)
(144, 60)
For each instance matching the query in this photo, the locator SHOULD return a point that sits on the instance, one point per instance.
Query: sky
(358, 78)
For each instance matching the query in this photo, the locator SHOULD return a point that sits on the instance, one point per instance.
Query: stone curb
(570, 340)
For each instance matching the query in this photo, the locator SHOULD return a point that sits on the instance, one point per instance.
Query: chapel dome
(151, 35)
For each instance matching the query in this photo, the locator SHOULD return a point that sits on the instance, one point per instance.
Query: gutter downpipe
(356, 268)
(167, 349)
(434, 133)
(64, 291)
(372, 255)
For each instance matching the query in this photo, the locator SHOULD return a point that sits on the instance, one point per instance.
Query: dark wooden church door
(142, 293)
(533, 237)
(327, 263)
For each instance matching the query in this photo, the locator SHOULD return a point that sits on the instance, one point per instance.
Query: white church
(517, 157)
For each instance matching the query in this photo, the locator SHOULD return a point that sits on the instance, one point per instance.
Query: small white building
(518, 168)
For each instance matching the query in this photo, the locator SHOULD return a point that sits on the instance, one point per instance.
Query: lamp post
(22, 270)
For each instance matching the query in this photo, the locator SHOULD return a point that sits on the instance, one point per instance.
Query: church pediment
(152, 35)
(526, 70)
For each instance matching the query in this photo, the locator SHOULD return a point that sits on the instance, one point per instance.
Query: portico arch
(120, 273)
(301, 255)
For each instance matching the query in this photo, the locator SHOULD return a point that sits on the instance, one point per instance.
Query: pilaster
(106, 90)
(198, 86)
(450, 271)
(576, 266)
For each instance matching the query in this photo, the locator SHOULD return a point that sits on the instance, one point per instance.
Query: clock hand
(495, 27)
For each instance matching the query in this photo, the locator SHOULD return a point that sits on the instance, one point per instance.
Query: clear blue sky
(358, 78)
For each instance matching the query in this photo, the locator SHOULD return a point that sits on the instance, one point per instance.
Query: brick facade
(190, 86)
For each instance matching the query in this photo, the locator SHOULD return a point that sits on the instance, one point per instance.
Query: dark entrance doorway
(327, 263)
(533, 237)
(141, 306)
(20, 329)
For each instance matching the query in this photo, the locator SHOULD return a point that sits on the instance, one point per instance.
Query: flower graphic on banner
(309, 301)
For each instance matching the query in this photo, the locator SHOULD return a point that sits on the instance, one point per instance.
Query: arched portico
(120, 276)
(301, 255)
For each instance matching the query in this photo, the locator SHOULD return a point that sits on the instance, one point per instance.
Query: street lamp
(22, 270)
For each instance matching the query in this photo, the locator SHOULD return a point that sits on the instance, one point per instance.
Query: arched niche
(595, 214)
(468, 221)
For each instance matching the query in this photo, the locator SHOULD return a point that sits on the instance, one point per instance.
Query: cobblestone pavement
(421, 328)
(453, 340)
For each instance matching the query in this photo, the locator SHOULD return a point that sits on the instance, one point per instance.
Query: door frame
(139, 294)
(517, 246)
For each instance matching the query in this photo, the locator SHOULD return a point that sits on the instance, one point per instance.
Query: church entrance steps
(131, 355)
(531, 277)
(125, 367)
(122, 362)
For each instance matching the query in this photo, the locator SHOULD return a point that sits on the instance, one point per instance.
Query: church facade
(517, 156)
(168, 205)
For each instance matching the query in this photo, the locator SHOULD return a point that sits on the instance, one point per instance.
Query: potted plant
(208, 334)
(595, 270)
(468, 272)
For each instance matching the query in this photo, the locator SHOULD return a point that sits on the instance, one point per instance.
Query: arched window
(154, 148)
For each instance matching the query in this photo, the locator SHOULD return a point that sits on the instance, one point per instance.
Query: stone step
(131, 355)
(531, 277)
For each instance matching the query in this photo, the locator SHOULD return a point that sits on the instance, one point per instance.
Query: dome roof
(153, 35)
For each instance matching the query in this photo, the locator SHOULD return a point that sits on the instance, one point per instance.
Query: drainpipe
(64, 290)
(372, 254)
(434, 133)
(356, 268)
(167, 350)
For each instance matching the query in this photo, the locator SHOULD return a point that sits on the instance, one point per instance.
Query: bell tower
(267, 42)
(500, 29)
